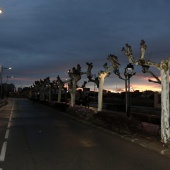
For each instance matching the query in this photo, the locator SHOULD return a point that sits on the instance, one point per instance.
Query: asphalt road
(35, 137)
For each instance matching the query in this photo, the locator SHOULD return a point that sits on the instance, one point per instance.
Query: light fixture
(129, 70)
(145, 68)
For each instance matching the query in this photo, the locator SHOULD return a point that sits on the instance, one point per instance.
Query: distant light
(0, 11)
(10, 68)
(129, 69)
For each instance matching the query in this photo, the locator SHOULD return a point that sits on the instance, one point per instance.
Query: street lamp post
(7, 84)
(128, 73)
(1, 76)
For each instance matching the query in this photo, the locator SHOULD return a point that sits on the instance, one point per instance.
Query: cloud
(46, 38)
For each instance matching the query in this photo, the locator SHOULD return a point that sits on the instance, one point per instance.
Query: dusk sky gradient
(45, 38)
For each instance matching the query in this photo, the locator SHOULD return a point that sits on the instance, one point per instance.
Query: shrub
(80, 112)
(60, 106)
(117, 122)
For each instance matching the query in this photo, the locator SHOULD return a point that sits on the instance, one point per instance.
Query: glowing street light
(0, 11)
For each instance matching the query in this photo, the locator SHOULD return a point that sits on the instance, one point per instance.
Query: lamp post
(7, 84)
(128, 73)
(1, 76)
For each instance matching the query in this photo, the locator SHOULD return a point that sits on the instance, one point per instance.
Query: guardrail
(141, 114)
(147, 110)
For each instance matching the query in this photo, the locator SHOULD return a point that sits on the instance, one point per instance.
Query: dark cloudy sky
(40, 38)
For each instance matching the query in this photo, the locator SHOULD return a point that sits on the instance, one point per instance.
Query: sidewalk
(151, 141)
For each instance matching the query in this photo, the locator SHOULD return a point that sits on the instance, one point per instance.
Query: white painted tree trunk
(42, 94)
(59, 93)
(165, 129)
(73, 97)
(100, 93)
(164, 68)
(49, 94)
(73, 92)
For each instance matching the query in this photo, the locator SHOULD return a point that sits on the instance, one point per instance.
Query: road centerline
(3, 151)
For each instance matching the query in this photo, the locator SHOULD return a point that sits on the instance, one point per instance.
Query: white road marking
(7, 134)
(3, 151)
(4, 146)
(12, 109)
(10, 118)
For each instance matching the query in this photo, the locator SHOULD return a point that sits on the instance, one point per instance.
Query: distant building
(147, 94)
(86, 90)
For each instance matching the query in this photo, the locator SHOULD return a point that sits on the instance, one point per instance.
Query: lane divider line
(3, 151)
(4, 146)
(12, 109)
(7, 134)
(10, 118)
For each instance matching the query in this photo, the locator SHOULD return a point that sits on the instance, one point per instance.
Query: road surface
(35, 137)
